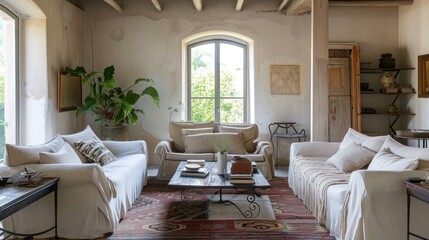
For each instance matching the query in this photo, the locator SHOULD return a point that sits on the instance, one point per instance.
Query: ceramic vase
(221, 159)
(114, 132)
(386, 61)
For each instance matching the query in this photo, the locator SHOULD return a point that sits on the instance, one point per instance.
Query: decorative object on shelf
(112, 105)
(408, 89)
(423, 75)
(386, 61)
(364, 86)
(393, 109)
(392, 90)
(387, 79)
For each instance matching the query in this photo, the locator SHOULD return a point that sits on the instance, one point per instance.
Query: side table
(15, 198)
(417, 191)
(284, 130)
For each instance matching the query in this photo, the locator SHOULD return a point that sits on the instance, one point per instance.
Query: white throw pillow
(352, 136)
(374, 143)
(95, 151)
(65, 155)
(87, 133)
(351, 158)
(211, 142)
(408, 152)
(19, 155)
(385, 160)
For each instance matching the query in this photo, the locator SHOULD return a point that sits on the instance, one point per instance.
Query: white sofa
(190, 140)
(364, 204)
(92, 199)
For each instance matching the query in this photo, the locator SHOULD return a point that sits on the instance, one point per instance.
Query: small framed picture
(69, 92)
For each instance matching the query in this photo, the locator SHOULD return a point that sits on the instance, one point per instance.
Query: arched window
(9, 24)
(217, 81)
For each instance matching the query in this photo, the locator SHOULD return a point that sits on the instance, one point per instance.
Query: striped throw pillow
(95, 151)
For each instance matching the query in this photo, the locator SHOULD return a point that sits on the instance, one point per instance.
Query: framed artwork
(69, 92)
(285, 79)
(423, 75)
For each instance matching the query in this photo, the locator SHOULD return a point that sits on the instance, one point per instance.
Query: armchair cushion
(210, 142)
(65, 155)
(248, 134)
(19, 155)
(176, 132)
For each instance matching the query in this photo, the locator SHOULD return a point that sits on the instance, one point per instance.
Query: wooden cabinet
(375, 117)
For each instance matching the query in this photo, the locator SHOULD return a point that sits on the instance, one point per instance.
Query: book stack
(200, 172)
(241, 179)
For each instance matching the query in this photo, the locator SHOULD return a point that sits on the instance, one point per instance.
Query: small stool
(284, 130)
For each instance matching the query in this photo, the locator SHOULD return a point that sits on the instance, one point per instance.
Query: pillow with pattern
(95, 151)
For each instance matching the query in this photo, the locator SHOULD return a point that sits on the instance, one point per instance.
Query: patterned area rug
(159, 213)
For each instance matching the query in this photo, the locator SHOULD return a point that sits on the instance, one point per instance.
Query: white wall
(414, 41)
(151, 47)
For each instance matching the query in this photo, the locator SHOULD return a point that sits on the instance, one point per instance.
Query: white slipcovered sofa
(190, 140)
(356, 198)
(92, 198)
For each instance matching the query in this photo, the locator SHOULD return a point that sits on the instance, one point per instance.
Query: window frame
(17, 34)
(217, 98)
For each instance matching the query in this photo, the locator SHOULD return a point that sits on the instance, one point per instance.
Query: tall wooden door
(340, 118)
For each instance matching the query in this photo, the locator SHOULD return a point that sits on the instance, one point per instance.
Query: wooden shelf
(377, 93)
(380, 70)
(389, 114)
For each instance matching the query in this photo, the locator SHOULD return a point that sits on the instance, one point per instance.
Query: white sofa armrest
(375, 206)
(163, 147)
(313, 149)
(122, 148)
(71, 175)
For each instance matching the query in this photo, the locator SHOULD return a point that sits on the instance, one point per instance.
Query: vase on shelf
(387, 79)
(221, 159)
(386, 61)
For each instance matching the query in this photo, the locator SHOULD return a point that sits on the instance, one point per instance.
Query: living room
(139, 40)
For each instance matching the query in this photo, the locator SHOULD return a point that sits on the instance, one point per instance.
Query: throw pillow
(352, 136)
(408, 152)
(192, 131)
(210, 142)
(87, 133)
(374, 143)
(248, 134)
(65, 155)
(19, 155)
(351, 158)
(176, 132)
(385, 160)
(95, 151)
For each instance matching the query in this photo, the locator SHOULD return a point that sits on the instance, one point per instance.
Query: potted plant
(112, 106)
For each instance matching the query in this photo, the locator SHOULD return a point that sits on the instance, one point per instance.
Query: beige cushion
(351, 158)
(95, 151)
(65, 155)
(87, 133)
(387, 161)
(19, 155)
(352, 136)
(374, 143)
(408, 152)
(191, 131)
(211, 142)
(187, 156)
(176, 132)
(248, 134)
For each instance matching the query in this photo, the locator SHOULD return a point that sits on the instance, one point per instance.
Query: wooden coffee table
(218, 183)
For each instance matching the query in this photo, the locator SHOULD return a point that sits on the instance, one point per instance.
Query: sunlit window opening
(8, 78)
(217, 81)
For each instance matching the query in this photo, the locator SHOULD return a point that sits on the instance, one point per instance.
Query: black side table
(417, 191)
(15, 198)
(284, 130)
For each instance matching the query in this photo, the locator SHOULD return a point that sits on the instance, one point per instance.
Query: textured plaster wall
(144, 42)
(414, 41)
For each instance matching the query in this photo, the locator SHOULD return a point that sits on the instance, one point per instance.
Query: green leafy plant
(108, 102)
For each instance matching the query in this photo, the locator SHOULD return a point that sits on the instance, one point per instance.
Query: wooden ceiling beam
(369, 3)
(283, 5)
(114, 5)
(299, 7)
(239, 5)
(198, 5)
(157, 5)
